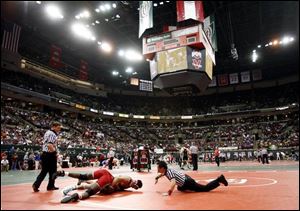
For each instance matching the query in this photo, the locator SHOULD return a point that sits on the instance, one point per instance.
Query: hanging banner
(11, 35)
(234, 78)
(55, 57)
(190, 9)
(146, 16)
(83, 71)
(256, 75)
(245, 76)
(213, 82)
(223, 80)
(209, 27)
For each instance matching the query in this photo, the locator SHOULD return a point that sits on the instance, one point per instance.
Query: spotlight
(114, 5)
(107, 6)
(102, 8)
(254, 57)
(97, 10)
(129, 70)
(259, 46)
(115, 73)
(54, 12)
(285, 40)
(106, 47)
(121, 53)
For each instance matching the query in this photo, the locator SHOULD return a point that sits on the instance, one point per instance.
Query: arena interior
(209, 87)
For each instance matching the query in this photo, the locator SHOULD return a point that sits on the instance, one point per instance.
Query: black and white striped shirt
(179, 176)
(49, 137)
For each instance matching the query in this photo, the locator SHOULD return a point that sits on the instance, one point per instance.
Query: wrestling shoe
(68, 189)
(222, 179)
(35, 189)
(72, 198)
(52, 188)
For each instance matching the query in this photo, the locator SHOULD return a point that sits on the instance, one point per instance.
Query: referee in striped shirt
(49, 158)
(185, 182)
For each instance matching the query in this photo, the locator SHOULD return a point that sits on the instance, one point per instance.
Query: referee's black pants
(195, 161)
(49, 165)
(191, 184)
(217, 159)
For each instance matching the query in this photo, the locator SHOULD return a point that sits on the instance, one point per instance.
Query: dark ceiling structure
(244, 23)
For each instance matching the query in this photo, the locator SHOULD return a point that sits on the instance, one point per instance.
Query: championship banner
(223, 80)
(245, 76)
(146, 16)
(55, 57)
(209, 26)
(256, 75)
(213, 82)
(83, 71)
(234, 78)
(190, 9)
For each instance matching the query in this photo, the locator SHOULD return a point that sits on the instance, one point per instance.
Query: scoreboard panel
(191, 36)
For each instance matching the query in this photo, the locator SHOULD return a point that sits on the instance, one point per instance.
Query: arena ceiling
(252, 23)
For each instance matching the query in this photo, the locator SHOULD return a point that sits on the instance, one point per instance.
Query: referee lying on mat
(185, 182)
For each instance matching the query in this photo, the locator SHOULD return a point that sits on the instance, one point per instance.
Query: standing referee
(184, 182)
(194, 152)
(49, 159)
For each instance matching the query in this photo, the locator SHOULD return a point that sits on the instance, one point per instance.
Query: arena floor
(251, 186)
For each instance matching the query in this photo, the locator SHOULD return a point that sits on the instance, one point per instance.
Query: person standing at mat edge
(184, 182)
(217, 156)
(49, 158)
(194, 152)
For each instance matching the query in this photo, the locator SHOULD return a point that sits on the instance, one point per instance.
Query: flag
(213, 82)
(146, 16)
(256, 75)
(245, 76)
(223, 80)
(55, 57)
(234, 78)
(209, 26)
(11, 35)
(190, 9)
(83, 71)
